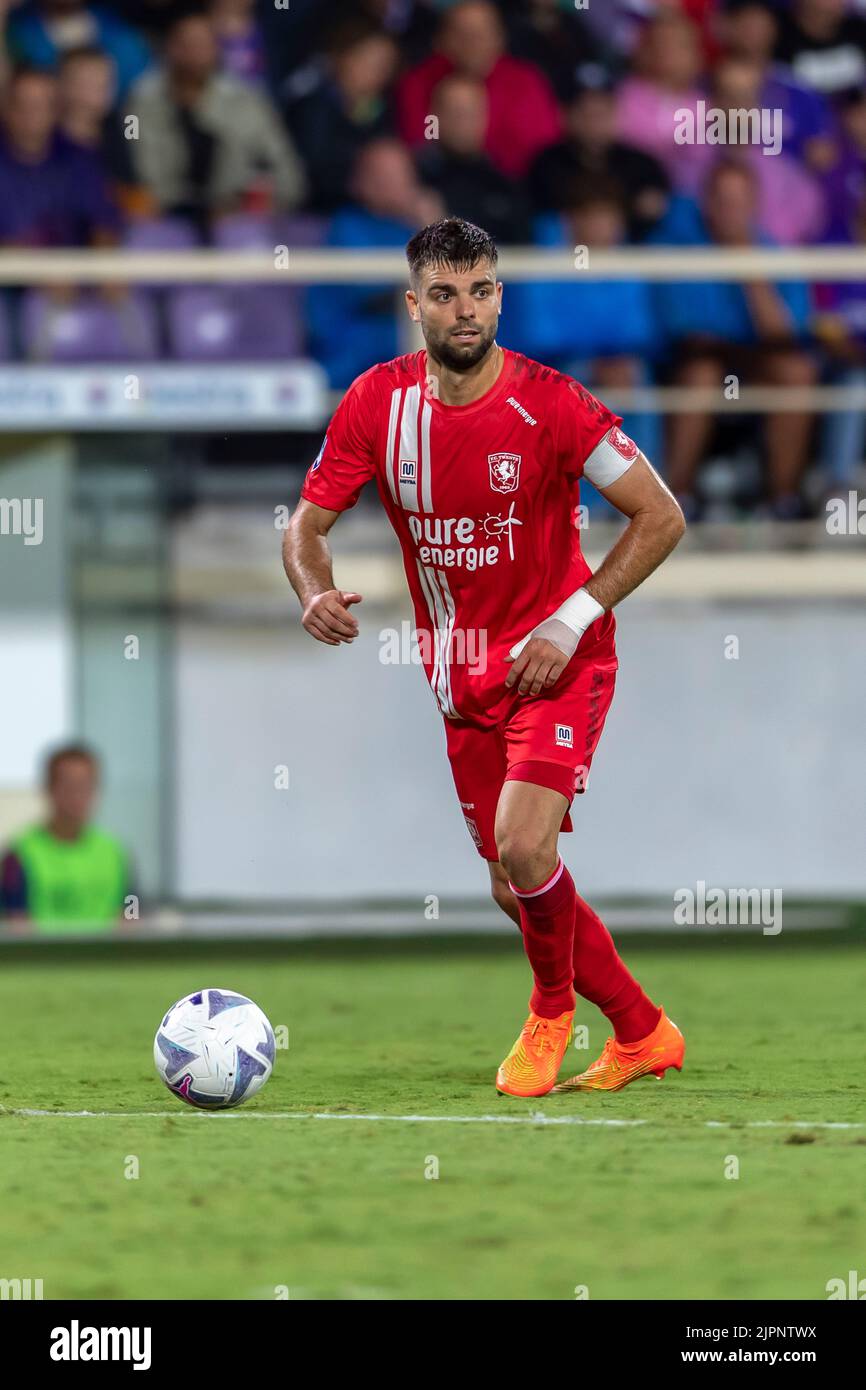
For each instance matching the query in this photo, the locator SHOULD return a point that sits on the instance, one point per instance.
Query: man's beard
(461, 357)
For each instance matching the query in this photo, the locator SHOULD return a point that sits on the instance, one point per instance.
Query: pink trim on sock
(534, 892)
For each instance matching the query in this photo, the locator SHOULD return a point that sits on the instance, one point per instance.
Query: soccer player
(477, 452)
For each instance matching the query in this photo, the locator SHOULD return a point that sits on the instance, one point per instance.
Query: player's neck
(462, 388)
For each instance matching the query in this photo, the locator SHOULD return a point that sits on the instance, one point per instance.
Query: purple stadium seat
(245, 232)
(160, 234)
(224, 324)
(303, 230)
(248, 232)
(270, 312)
(89, 329)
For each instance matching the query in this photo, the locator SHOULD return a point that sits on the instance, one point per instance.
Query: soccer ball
(214, 1049)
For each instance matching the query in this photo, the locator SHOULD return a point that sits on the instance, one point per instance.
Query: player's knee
(526, 857)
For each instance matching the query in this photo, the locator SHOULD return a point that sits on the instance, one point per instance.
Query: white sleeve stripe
(605, 464)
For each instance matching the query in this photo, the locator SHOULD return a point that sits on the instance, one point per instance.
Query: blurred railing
(344, 266)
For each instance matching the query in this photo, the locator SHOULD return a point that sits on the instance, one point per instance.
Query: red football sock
(547, 916)
(602, 977)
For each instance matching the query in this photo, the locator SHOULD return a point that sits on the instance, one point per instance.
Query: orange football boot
(532, 1065)
(621, 1063)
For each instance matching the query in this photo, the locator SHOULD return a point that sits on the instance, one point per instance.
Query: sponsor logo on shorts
(473, 831)
(408, 470)
(504, 472)
(468, 805)
(564, 735)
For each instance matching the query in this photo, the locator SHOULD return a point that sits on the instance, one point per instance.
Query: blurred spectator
(620, 23)
(86, 91)
(65, 874)
(353, 326)
(749, 30)
(754, 331)
(86, 82)
(590, 151)
(209, 144)
(600, 331)
(294, 38)
(823, 44)
(664, 81)
(558, 40)
(791, 204)
(845, 181)
(345, 108)
(52, 193)
(524, 116)
(412, 23)
(240, 39)
(457, 167)
(43, 30)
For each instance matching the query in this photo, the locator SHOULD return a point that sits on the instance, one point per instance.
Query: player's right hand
(327, 617)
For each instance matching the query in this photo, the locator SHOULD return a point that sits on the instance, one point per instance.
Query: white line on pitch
(533, 1118)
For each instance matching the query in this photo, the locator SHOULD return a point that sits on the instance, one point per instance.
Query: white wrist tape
(566, 626)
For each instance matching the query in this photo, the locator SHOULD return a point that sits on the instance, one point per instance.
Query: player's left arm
(656, 524)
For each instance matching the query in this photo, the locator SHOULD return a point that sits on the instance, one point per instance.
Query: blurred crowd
(153, 124)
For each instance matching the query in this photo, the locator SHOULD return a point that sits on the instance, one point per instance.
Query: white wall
(35, 626)
(742, 773)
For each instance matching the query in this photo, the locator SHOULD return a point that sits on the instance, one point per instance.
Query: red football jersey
(481, 497)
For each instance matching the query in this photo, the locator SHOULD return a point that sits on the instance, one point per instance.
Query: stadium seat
(160, 234)
(223, 324)
(88, 329)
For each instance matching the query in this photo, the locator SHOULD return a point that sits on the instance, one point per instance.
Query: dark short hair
(453, 242)
(349, 33)
(88, 51)
(23, 71)
(582, 193)
(188, 9)
(66, 752)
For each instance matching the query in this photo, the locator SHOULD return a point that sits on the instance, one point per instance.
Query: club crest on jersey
(624, 446)
(564, 736)
(504, 472)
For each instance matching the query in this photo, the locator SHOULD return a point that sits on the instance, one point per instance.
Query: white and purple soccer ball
(214, 1049)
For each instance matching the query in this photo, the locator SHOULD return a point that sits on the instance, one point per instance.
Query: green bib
(73, 884)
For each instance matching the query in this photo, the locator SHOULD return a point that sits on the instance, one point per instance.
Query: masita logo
(77, 1343)
(564, 736)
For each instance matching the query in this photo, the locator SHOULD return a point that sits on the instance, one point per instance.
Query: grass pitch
(229, 1206)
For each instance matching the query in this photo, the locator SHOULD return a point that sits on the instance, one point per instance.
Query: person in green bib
(65, 874)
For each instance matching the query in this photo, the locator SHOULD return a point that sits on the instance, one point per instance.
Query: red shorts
(547, 739)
